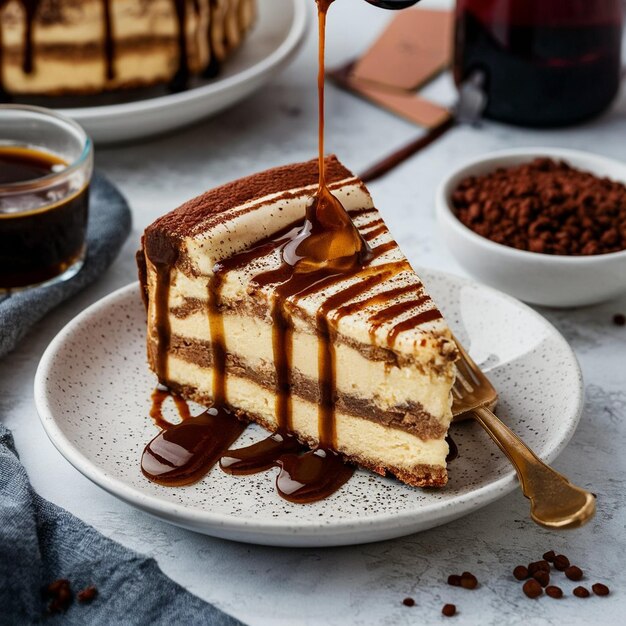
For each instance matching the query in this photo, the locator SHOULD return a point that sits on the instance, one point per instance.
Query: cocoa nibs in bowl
(545, 206)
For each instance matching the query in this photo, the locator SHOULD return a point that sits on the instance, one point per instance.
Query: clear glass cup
(43, 219)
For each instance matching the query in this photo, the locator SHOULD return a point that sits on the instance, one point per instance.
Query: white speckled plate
(93, 391)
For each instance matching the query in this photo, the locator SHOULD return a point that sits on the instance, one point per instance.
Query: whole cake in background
(79, 47)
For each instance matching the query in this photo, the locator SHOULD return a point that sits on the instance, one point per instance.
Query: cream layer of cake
(394, 356)
(76, 49)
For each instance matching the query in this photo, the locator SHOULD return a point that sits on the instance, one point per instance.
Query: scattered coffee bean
(521, 572)
(619, 319)
(600, 590)
(538, 566)
(468, 580)
(449, 610)
(532, 588)
(554, 592)
(549, 556)
(561, 562)
(542, 577)
(581, 592)
(454, 580)
(408, 602)
(88, 594)
(60, 593)
(573, 572)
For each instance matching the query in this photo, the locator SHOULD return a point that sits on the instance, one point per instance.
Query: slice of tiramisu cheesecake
(360, 362)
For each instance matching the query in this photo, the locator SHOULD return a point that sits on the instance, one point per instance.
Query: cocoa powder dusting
(545, 206)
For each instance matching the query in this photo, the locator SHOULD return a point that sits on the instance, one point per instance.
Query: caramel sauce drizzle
(318, 254)
(359, 212)
(391, 312)
(109, 46)
(163, 255)
(182, 454)
(424, 317)
(181, 78)
(159, 396)
(305, 475)
(218, 343)
(378, 298)
(262, 455)
(375, 232)
(162, 322)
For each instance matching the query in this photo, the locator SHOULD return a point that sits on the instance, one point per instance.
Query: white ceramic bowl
(550, 280)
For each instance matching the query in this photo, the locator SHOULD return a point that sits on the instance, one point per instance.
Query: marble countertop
(362, 584)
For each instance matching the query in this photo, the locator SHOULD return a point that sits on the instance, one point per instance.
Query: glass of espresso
(544, 62)
(46, 163)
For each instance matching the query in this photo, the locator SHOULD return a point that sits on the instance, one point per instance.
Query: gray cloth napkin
(40, 543)
(108, 228)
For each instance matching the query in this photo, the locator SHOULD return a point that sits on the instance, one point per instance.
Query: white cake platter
(93, 389)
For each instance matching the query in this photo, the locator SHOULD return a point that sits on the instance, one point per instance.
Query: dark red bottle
(545, 62)
(393, 4)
